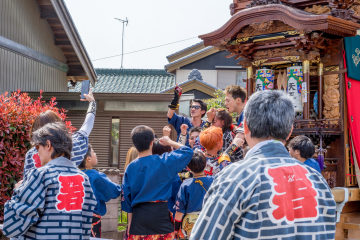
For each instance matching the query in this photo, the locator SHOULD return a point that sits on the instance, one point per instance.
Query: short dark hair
(236, 92)
(44, 118)
(198, 162)
(223, 115)
(142, 136)
(159, 149)
(82, 165)
(58, 136)
(202, 105)
(194, 129)
(304, 145)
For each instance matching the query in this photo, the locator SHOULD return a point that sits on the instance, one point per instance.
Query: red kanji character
(71, 193)
(294, 196)
(36, 160)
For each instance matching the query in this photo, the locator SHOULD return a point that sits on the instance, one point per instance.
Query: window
(115, 127)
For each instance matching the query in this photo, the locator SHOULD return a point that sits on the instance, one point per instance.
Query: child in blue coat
(302, 149)
(104, 189)
(191, 194)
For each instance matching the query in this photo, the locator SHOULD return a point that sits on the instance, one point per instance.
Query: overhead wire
(144, 49)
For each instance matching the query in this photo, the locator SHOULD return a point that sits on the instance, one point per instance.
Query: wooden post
(249, 81)
(306, 92)
(321, 89)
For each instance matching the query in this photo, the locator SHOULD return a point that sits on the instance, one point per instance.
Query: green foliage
(122, 221)
(218, 101)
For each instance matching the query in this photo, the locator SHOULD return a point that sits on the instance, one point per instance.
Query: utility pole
(122, 41)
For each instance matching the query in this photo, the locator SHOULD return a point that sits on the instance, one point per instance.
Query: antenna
(122, 39)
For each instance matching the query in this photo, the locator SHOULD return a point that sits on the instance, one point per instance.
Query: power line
(144, 49)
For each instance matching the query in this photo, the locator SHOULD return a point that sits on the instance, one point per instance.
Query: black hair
(59, 137)
(82, 165)
(142, 136)
(160, 149)
(304, 145)
(223, 115)
(194, 129)
(198, 162)
(202, 105)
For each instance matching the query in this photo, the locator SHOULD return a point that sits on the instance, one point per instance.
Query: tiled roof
(130, 81)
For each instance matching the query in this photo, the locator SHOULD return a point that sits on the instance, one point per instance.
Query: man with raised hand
(268, 195)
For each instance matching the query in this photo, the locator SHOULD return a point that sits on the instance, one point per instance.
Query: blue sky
(151, 23)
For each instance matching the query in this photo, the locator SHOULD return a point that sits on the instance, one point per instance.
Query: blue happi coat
(55, 202)
(268, 195)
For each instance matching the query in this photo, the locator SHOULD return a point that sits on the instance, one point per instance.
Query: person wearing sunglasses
(197, 111)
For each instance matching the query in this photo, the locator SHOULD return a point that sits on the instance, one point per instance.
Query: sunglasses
(195, 107)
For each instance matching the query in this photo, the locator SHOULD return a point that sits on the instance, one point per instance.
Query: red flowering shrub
(17, 114)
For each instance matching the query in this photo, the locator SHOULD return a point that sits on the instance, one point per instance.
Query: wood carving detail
(241, 50)
(318, 9)
(331, 97)
(255, 3)
(342, 9)
(256, 29)
(316, 42)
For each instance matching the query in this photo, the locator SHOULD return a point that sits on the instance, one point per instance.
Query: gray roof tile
(130, 81)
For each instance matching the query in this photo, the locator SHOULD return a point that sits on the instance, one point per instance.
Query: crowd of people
(222, 178)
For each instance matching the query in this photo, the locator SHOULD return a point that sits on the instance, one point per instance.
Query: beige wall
(20, 22)
(226, 78)
(18, 72)
(217, 78)
(209, 76)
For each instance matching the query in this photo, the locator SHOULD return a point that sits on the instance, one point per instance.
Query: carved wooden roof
(296, 18)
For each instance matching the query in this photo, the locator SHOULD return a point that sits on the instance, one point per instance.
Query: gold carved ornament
(292, 58)
(257, 63)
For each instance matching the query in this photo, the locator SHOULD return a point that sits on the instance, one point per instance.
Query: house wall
(226, 78)
(100, 137)
(20, 22)
(21, 26)
(18, 72)
(209, 76)
(217, 78)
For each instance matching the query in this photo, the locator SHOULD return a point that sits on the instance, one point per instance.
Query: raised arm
(178, 159)
(174, 105)
(90, 114)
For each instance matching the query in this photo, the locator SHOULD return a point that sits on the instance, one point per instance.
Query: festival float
(310, 50)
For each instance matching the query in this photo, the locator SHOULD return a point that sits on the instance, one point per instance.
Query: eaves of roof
(194, 84)
(186, 51)
(68, 39)
(130, 81)
(207, 51)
